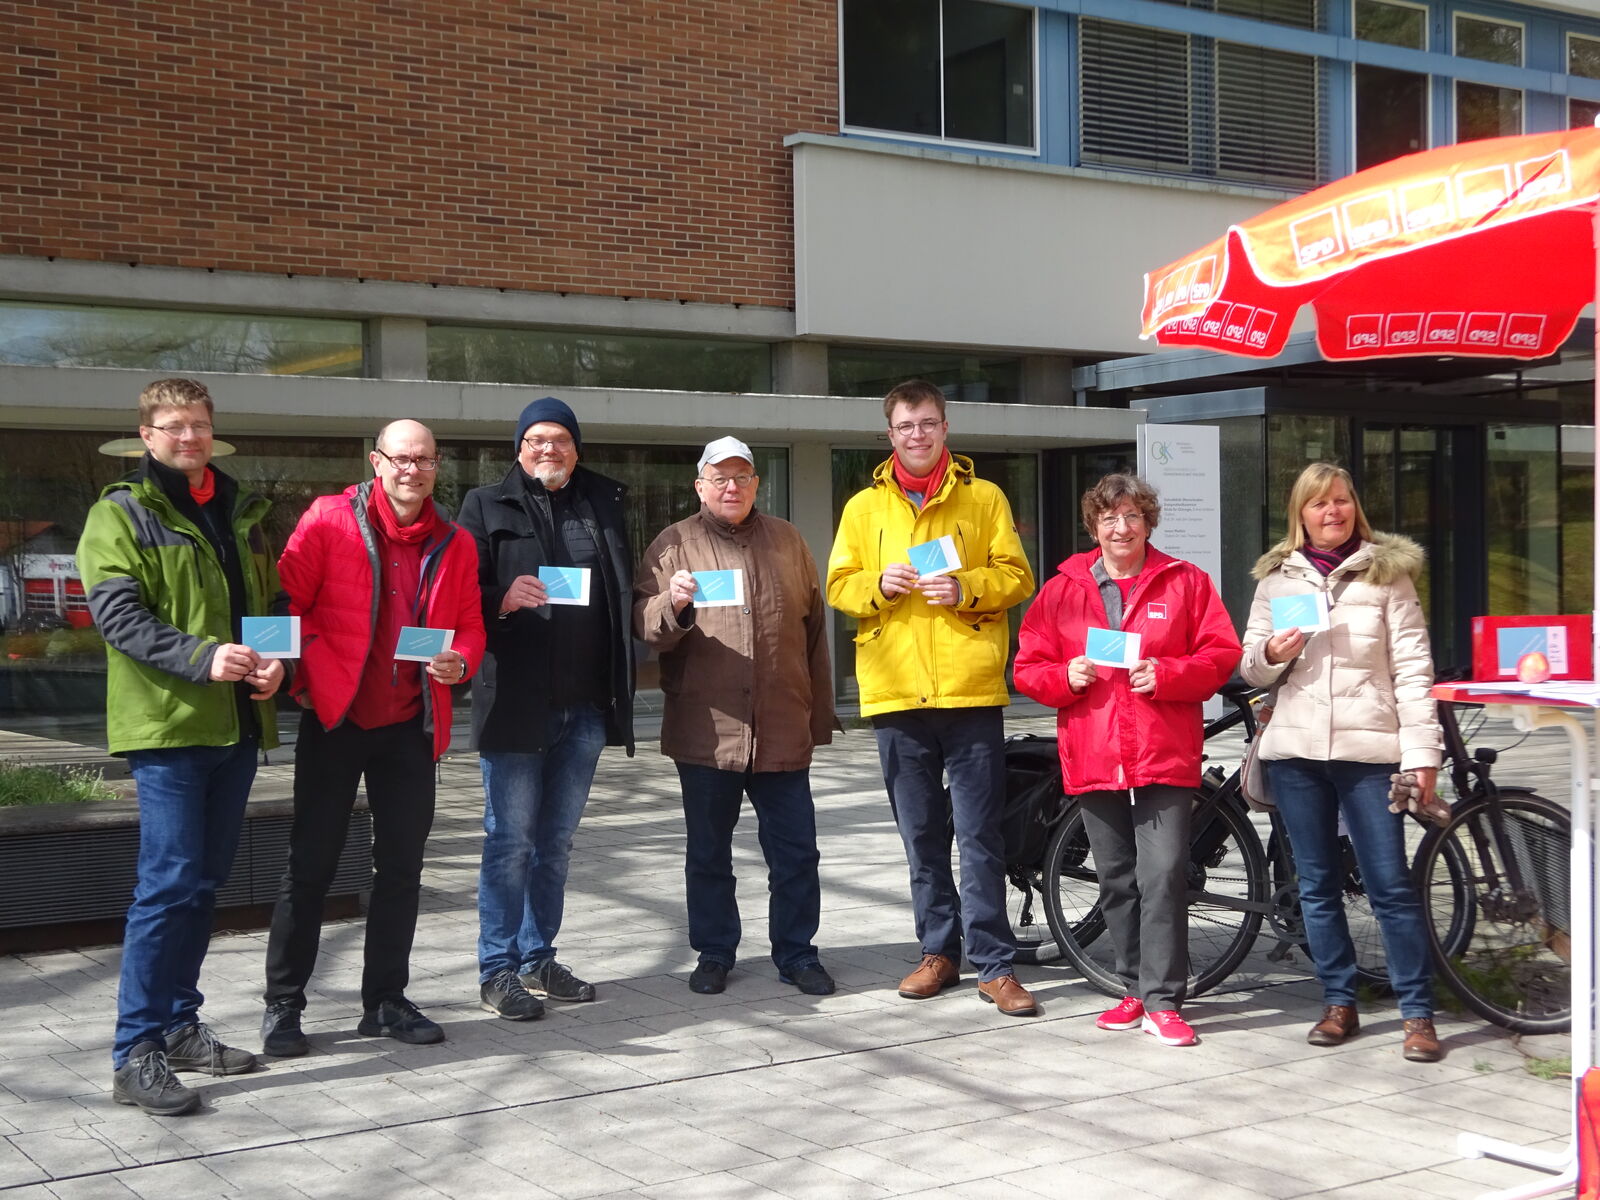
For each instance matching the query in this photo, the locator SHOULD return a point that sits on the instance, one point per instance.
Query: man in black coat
(556, 687)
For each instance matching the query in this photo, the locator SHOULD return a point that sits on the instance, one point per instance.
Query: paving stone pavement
(653, 1091)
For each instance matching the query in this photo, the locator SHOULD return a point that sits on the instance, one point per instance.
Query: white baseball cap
(723, 449)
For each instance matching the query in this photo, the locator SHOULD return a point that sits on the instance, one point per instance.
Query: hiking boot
(147, 1081)
(554, 982)
(1126, 1015)
(812, 979)
(280, 1031)
(401, 1020)
(1168, 1028)
(503, 994)
(933, 974)
(1422, 1042)
(195, 1048)
(1339, 1021)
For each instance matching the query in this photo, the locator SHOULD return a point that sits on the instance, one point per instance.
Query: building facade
(683, 218)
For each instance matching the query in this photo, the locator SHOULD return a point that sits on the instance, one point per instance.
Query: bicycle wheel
(1505, 950)
(1029, 927)
(1226, 868)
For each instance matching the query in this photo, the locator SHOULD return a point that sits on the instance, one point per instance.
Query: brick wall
(610, 147)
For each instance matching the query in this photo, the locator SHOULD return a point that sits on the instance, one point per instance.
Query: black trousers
(397, 761)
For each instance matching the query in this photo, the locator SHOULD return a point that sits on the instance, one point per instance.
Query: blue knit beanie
(548, 409)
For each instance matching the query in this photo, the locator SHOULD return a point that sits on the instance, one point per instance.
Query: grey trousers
(1141, 851)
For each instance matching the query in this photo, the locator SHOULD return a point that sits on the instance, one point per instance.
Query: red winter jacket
(329, 568)
(1111, 739)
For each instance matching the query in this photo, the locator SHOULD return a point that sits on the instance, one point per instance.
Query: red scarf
(207, 489)
(389, 525)
(925, 485)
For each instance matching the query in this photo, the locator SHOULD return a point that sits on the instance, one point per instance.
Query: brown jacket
(749, 685)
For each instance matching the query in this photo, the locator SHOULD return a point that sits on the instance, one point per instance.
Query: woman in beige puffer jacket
(1352, 707)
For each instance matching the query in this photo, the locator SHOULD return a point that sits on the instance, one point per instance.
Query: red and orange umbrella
(1481, 249)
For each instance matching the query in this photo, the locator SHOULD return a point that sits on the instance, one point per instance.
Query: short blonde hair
(173, 393)
(1111, 491)
(1317, 481)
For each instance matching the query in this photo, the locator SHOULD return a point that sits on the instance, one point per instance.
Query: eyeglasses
(720, 482)
(907, 428)
(404, 462)
(562, 444)
(1131, 520)
(198, 429)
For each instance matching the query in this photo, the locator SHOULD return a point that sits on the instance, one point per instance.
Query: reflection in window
(1583, 60)
(1392, 24)
(1523, 523)
(1489, 41)
(1485, 111)
(864, 371)
(557, 359)
(66, 335)
(1577, 518)
(1017, 475)
(1391, 106)
(1294, 442)
(956, 69)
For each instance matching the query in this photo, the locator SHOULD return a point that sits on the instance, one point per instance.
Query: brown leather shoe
(1009, 996)
(1338, 1022)
(1422, 1043)
(933, 974)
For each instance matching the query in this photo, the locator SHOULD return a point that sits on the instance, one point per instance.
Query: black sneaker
(401, 1020)
(708, 978)
(195, 1048)
(554, 982)
(812, 979)
(280, 1031)
(147, 1081)
(504, 995)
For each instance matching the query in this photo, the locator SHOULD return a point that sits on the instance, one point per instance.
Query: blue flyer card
(1111, 647)
(1549, 640)
(932, 559)
(272, 637)
(718, 589)
(565, 585)
(418, 644)
(1307, 611)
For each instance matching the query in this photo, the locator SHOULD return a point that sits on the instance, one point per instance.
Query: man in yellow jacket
(930, 665)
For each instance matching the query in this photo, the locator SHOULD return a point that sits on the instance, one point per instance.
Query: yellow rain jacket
(911, 654)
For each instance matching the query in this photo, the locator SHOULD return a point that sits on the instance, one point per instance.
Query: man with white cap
(731, 600)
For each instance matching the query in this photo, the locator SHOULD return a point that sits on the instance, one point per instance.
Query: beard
(552, 475)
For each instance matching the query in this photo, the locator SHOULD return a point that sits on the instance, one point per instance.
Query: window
(867, 371)
(961, 70)
(67, 335)
(1391, 106)
(1583, 60)
(559, 359)
(1484, 110)
(1154, 100)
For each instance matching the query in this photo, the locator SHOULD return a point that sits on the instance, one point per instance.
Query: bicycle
(1493, 882)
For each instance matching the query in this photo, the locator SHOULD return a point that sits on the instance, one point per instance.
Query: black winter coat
(504, 521)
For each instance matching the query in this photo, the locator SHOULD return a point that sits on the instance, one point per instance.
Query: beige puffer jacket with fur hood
(1359, 691)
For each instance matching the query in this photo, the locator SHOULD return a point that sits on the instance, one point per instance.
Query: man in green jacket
(172, 559)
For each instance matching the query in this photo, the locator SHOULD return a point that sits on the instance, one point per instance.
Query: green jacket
(158, 594)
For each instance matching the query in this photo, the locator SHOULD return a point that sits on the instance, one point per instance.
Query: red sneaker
(1124, 1016)
(1169, 1028)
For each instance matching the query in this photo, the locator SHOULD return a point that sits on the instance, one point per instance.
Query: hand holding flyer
(1307, 612)
(935, 558)
(718, 589)
(1111, 647)
(565, 585)
(419, 644)
(271, 637)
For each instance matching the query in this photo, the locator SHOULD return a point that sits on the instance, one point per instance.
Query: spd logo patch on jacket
(1156, 612)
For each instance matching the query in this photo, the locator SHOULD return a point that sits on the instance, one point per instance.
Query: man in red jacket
(359, 568)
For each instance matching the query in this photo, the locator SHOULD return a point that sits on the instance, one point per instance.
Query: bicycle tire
(1226, 862)
(1507, 956)
(1034, 940)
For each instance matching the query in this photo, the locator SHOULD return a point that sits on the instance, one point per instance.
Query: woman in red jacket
(1131, 737)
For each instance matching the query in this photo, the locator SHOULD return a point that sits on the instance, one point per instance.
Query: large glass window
(961, 70)
(1017, 475)
(1391, 106)
(867, 371)
(551, 358)
(1523, 520)
(1577, 518)
(1484, 110)
(1154, 100)
(1583, 60)
(67, 335)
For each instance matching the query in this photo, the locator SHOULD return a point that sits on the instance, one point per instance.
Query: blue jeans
(787, 827)
(918, 749)
(191, 808)
(532, 805)
(1310, 796)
